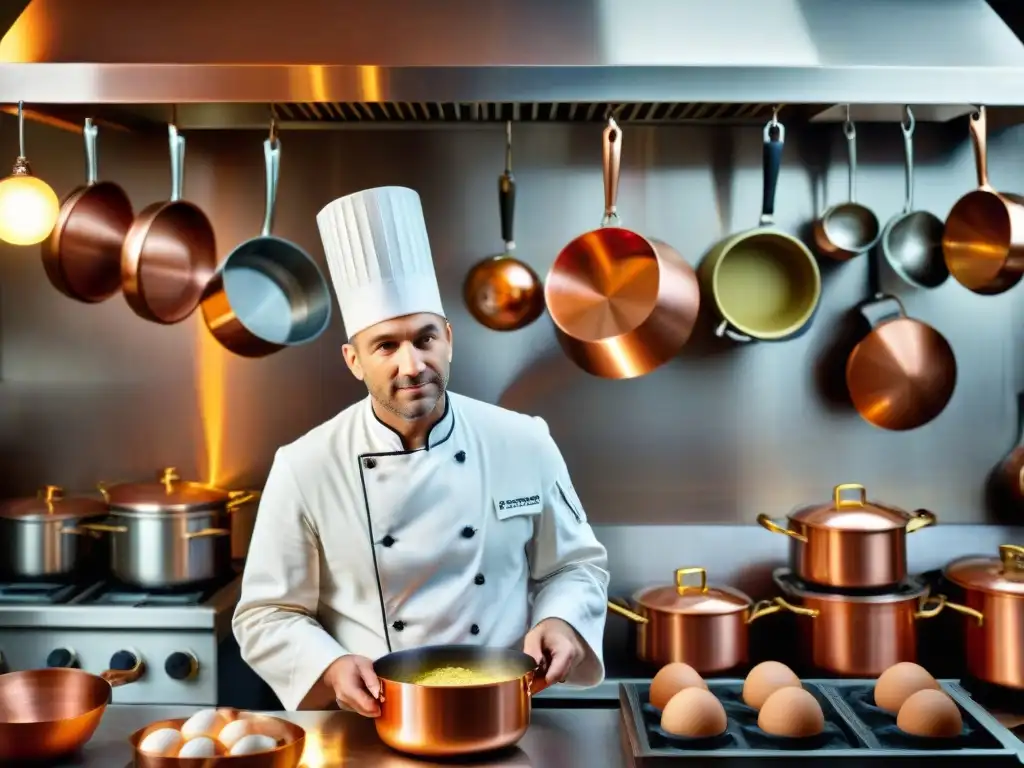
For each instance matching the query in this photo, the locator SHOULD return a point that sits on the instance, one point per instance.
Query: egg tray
(855, 730)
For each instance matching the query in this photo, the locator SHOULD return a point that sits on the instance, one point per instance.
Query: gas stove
(100, 626)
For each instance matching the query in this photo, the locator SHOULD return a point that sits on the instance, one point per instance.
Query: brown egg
(765, 679)
(930, 713)
(671, 679)
(694, 712)
(899, 682)
(791, 712)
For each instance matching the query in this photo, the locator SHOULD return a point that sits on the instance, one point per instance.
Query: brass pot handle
(768, 607)
(635, 617)
(682, 573)
(104, 528)
(768, 524)
(941, 602)
(205, 533)
(1012, 557)
(238, 498)
(922, 518)
(859, 503)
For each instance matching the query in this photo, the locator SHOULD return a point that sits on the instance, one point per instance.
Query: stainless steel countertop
(558, 738)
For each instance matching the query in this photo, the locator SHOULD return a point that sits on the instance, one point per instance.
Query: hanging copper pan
(170, 253)
(82, 255)
(903, 373)
(622, 304)
(984, 236)
(502, 292)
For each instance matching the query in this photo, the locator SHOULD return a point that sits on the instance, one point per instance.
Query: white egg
(254, 742)
(163, 741)
(234, 731)
(200, 746)
(205, 722)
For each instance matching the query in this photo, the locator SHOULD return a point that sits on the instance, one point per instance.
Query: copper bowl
(288, 754)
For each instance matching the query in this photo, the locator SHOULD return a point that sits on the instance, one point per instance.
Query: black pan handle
(774, 139)
(507, 208)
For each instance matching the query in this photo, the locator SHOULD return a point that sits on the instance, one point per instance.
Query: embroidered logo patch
(522, 501)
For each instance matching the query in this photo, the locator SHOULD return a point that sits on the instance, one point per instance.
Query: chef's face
(404, 363)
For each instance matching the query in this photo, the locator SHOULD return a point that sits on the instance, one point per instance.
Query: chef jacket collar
(387, 441)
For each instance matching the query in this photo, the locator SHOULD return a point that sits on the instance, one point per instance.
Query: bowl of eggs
(219, 737)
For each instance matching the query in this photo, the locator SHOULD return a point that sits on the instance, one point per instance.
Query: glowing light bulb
(28, 207)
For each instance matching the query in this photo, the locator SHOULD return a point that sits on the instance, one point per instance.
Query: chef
(415, 516)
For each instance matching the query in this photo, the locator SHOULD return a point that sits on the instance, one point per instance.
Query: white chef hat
(378, 255)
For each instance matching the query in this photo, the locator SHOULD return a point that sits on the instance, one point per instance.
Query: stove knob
(181, 665)
(125, 661)
(62, 657)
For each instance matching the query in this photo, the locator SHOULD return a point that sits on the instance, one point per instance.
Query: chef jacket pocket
(567, 495)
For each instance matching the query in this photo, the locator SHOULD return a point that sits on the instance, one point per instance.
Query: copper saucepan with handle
(169, 253)
(851, 543)
(622, 304)
(82, 255)
(447, 721)
(46, 714)
(983, 240)
(697, 624)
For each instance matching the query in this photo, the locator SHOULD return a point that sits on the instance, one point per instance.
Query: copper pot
(446, 721)
(994, 588)
(697, 624)
(850, 543)
(860, 635)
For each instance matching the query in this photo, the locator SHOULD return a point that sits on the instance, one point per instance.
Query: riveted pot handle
(770, 525)
(932, 606)
(537, 679)
(104, 528)
(635, 617)
(922, 519)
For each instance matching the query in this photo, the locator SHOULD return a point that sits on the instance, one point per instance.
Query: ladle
(848, 229)
(912, 240)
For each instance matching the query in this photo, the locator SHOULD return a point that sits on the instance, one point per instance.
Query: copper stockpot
(850, 543)
(994, 587)
(47, 714)
(446, 721)
(698, 624)
(860, 635)
(291, 740)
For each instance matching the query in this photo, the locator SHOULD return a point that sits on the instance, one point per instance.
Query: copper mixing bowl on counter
(851, 543)
(994, 587)
(446, 720)
(860, 635)
(698, 624)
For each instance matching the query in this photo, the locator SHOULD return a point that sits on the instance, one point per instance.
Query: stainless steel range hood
(335, 62)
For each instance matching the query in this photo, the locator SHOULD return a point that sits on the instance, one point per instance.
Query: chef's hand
(555, 643)
(355, 684)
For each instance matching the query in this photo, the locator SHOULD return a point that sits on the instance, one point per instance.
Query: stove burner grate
(37, 593)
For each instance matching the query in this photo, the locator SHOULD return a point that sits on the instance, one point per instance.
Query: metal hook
(508, 146)
(848, 127)
(908, 124)
(21, 129)
(273, 129)
(174, 115)
(775, 115)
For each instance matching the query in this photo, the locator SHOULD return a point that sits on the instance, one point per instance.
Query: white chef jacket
(363, 547)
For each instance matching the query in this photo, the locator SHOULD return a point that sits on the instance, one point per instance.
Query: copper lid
(50, 503)
(851, 511)
(1003, 575)
(693, 598)
(168, 494)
